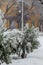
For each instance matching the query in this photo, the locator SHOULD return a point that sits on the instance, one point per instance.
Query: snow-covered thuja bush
(5, 48)
(33, 38)
(17, 42)
(8, 44)
(16, 36)
(29, 41)
(23, 42)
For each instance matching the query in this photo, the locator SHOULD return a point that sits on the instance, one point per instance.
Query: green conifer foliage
(29, 41)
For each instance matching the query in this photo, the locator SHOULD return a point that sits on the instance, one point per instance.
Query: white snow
(34, 58)
(14, 31)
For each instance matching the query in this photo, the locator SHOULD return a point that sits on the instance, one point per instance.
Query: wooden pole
(22, 16)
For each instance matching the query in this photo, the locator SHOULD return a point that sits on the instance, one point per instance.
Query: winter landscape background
(22, 46)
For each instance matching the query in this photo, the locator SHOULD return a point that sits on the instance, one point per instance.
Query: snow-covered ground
(34, 58)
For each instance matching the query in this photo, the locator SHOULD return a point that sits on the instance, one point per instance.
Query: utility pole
(22, 16)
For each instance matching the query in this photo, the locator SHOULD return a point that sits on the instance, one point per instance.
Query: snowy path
(39, 52)
(34, 58)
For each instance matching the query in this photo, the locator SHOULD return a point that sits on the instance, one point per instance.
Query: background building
(13, 11)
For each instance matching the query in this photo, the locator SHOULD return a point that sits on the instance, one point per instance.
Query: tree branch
(8, 7)
(32, 5)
